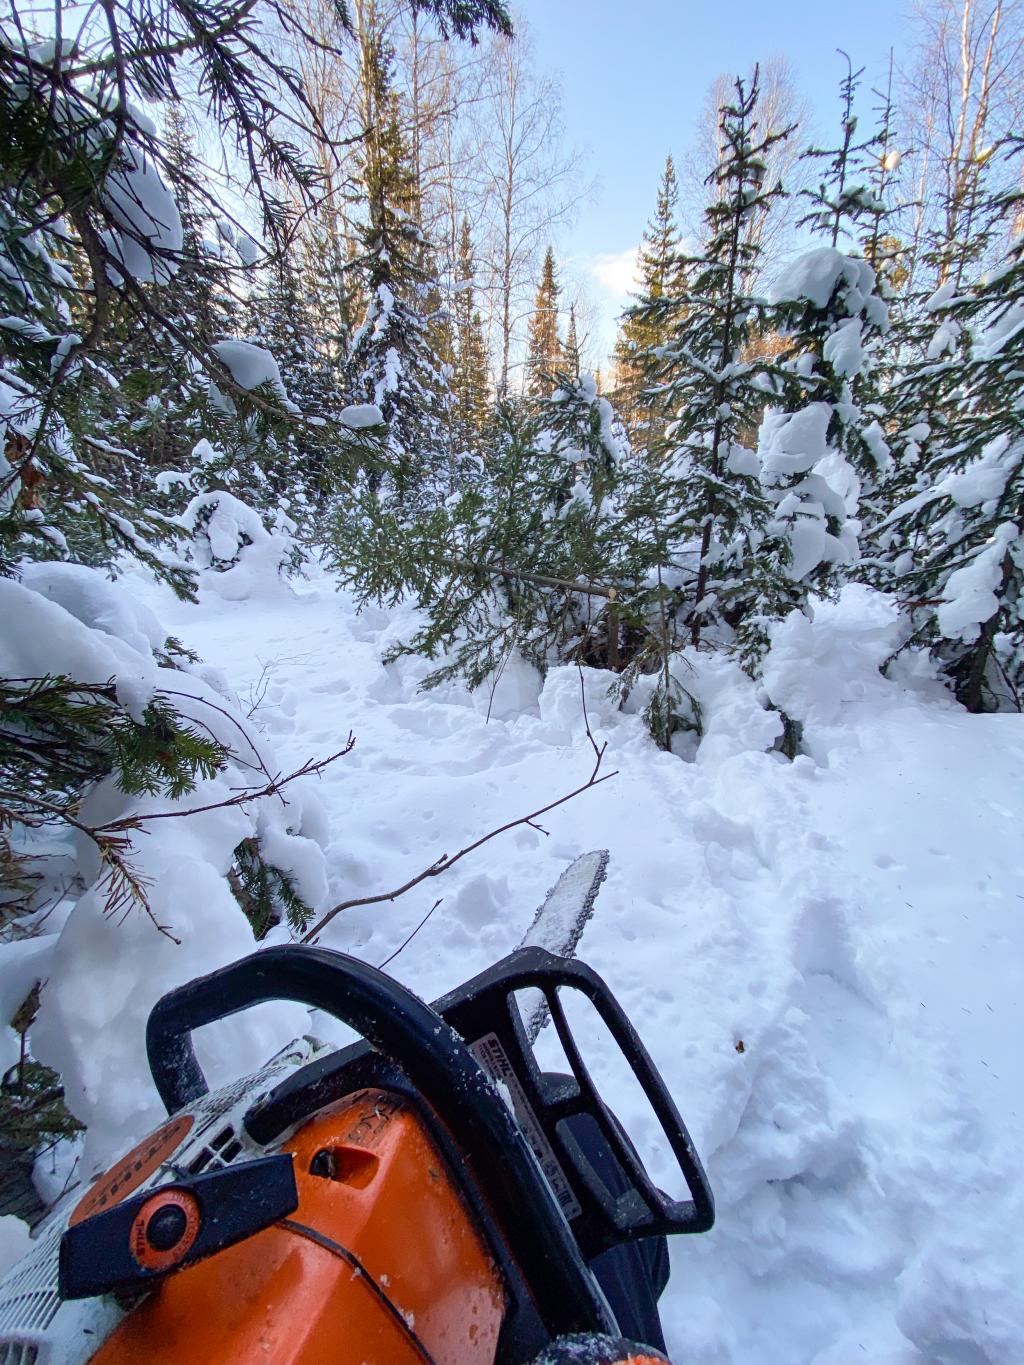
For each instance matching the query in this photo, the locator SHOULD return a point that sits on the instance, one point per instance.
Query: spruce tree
(469, 383)
(571, 358)
(528, 557)
(160, 406)
(544, 347)
(651, 319)
(715, 394)
(822, 444)
(299, 459)
(393, 362)
(955, 539)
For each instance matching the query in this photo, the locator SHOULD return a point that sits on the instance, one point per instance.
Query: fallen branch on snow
(443, 863)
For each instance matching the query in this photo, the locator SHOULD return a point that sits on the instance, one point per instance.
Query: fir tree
(544, 347)
(651, 319)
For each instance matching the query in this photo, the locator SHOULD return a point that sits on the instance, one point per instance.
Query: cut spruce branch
(443, 863)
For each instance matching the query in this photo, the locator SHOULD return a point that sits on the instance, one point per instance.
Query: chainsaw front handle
(439, 1065)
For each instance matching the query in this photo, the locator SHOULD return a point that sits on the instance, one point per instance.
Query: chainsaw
(429, 1194)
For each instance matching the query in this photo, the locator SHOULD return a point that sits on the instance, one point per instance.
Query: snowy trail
(823, 957)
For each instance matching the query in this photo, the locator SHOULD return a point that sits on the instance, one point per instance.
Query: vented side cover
(36, 1328)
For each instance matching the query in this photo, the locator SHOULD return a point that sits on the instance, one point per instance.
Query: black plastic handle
(437, 1062)
(487, 1003)
(390, 1017)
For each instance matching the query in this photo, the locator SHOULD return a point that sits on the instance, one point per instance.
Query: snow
(792, 443)
(999, 333)
(361, 415)
(104, 972)
(14, 1242)
(97, 603)
(969, 594)
(823, 956)
(984, 480)
(816, 668)
(43, 637)
(148, 219)
(815, 275)
(251, 367)
(844, 348)
(944, 339)
(230, 543)
(248, 249)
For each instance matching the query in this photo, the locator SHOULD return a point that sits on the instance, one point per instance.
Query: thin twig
(388, 960)
(310, 768)
(443, 863)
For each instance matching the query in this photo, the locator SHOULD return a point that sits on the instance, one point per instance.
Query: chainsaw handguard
(438, 1064)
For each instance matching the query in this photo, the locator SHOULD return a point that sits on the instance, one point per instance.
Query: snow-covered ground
(825, 957)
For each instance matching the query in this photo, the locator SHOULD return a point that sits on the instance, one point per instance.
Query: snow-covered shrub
(106, 728)
(230, 538)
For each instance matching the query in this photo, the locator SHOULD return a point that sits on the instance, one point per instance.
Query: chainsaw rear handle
(437, 1062)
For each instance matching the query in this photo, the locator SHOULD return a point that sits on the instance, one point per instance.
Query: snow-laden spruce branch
(542, 580)
(123, 887)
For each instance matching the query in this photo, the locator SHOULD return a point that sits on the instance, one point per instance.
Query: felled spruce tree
(714, 389)
(529, 557)
(821, 445)
(957, 537)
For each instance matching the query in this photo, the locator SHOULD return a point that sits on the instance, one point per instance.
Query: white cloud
(615, 271)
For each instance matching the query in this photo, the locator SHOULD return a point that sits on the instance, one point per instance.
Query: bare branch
(312, 767)
(445, 862)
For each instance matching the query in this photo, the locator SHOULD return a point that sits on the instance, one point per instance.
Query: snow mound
(96, 603)
(732, 715)
(817, 668)
(43, 638)
(103, 972)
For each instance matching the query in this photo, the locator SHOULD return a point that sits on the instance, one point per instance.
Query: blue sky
(634, 74)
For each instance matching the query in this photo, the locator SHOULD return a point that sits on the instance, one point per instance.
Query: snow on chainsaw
(429, 1194)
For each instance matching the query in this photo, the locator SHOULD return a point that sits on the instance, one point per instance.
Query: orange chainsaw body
(411, 1199)
(380, 1264)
